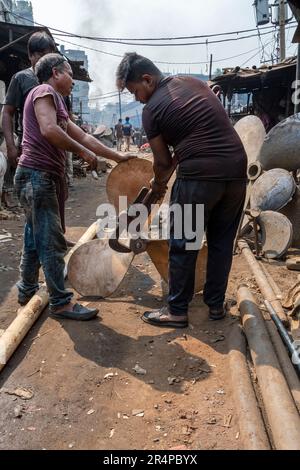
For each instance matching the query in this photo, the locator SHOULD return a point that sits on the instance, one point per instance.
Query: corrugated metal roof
(243, 80)
(15, 58)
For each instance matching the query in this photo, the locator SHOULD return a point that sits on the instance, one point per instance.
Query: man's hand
(13, 155)
(159, 189)
(126, 156)
(90, 158)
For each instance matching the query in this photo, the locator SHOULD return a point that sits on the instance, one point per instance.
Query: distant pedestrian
(138, 138)
(127, 132)
(119, 135)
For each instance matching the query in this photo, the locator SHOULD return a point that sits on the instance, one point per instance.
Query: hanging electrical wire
(258, 33)
(160, 61)
(252, 57)
(112, 41)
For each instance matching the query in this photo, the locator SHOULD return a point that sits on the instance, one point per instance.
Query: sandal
(155, 317)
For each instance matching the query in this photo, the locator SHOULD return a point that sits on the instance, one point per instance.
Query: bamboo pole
(280, 408)
(252, 430)
(14, 334)
(262, 281)
(18, 329)
(271, 281)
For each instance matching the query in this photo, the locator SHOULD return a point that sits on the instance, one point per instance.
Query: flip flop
(154, 318)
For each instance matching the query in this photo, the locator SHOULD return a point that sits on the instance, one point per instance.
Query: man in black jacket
(39, 44)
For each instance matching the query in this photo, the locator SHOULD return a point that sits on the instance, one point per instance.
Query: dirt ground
(85, 391)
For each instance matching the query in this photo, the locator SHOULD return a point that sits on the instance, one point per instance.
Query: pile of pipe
(273, 163)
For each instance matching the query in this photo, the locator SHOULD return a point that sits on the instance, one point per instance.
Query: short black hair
(44, 67)
(40, 42)
(127, 118)
(133, 67)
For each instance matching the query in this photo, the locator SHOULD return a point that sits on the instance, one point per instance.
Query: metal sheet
(280, 148)
(292, 212)
(127, 179)
(276, 233)
(252, 134)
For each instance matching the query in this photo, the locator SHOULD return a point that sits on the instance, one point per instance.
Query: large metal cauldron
(281, 148)
(272, 190)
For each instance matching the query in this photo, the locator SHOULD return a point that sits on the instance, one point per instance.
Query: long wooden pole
(271, 281)
(14, 334)
(282, 29)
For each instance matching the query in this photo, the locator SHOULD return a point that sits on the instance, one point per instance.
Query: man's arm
(8, 130)
(46, 115)
(94, 145)
(13, 101)
(163, 164)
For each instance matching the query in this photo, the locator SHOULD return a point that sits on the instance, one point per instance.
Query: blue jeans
(44, 241)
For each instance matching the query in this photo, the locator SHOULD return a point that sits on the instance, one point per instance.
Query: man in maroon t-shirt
(185, 114)
(47, 134)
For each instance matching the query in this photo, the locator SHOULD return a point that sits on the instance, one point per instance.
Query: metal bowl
(272, 190)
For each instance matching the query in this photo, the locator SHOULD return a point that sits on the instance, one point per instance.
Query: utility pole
(210, 66)
(120, 105)
(80, 111)
(282, 29)
(5, 7)
(297, 103)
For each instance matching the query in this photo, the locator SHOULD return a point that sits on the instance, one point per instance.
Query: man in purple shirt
(47, 134)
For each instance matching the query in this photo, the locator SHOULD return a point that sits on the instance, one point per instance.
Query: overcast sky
(156, 18)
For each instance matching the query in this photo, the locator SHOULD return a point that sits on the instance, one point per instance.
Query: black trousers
(223, 204)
